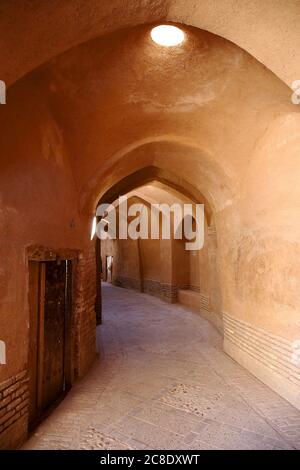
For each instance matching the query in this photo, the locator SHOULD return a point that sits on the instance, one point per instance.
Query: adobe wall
(211, 116)
(159, 267)
(143, 264)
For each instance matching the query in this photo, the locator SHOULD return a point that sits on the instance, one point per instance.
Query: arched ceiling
(177, 165)
(34, 31)
(156, 192)
(120, 103)
(154, 185)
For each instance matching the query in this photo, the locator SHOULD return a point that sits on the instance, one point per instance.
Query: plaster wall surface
(210, 118)
(269, 30)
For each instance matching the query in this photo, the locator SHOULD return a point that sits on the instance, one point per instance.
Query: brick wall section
(85, 315)
(190, 287)
(271, 358)
(128, 282)
(13, 410)
(167, 292)
(14, 394)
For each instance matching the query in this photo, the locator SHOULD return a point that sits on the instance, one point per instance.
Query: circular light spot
(167, 35)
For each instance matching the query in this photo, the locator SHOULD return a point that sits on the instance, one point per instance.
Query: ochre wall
(210, 117)
(156, 266)
(143, 264)
(38, 207)
(254, 26)
(226, 126)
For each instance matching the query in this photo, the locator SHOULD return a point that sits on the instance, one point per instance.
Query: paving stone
(163, 382)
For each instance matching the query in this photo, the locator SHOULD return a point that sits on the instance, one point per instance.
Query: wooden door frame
(41, 255)
(40, 332)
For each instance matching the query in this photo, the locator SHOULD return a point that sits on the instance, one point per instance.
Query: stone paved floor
(163, 382)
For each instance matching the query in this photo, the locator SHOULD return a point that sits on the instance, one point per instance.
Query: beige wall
(211, 118)
(162, 261)
(254, 26)
(139, 260)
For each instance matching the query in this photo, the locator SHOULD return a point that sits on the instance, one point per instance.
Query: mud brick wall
(128, 282)
(167, 292)
(13, 410)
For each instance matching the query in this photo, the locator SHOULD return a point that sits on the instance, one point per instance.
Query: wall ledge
(269, 357)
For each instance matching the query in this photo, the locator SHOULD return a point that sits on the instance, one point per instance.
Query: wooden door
(54, 332)
(50, 333)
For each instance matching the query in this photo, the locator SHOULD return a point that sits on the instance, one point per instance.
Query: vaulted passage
(95, 106)
(164, 383)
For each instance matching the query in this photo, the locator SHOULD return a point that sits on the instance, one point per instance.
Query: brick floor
(163, 382)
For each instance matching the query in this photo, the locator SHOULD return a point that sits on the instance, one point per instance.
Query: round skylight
(167, 35)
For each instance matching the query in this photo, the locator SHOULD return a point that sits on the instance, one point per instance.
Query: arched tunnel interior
(98, 110)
